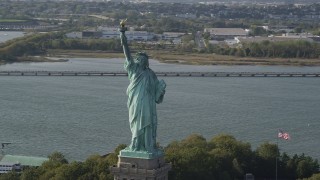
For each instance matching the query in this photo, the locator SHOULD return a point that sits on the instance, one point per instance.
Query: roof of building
(23, 160)
(226, 31)
(7, 163)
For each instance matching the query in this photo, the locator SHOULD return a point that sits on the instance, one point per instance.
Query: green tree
(10, 176)
(265, 160)
(58, 157)
(258, 31)
(313, 177)
(206, 35)
(305, 166)
(223, 157)
(189, 158)
(238, 153)
(30, 173)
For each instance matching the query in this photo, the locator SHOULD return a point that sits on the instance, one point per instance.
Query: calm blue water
(80, 116)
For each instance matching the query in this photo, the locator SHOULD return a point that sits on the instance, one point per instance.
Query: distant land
(236, 1)
(196, 1)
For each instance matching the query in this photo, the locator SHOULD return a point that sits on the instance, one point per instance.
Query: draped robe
(144, 91)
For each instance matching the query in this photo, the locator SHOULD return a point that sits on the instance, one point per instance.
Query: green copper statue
(144, 91)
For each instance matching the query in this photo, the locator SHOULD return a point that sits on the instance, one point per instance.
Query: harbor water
(81, 116)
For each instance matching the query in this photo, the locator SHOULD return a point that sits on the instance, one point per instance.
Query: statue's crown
(142, 54)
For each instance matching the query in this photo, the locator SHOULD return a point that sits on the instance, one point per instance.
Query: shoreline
(33, 59)
(170, 57)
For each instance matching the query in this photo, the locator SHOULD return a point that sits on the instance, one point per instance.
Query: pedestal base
(141, 154)
(132, 168)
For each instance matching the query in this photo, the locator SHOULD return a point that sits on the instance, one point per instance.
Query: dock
(169, 74)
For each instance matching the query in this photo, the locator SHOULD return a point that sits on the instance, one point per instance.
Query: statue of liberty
(144, 91)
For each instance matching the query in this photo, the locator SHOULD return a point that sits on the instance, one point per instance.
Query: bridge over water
(169, 74)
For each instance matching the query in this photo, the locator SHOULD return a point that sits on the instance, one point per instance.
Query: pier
(169, 74)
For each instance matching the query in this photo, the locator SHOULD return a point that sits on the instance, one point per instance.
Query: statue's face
(142, 61)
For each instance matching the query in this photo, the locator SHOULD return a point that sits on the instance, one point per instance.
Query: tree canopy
(222, 157)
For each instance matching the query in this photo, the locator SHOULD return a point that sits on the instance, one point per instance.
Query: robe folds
(144, 91)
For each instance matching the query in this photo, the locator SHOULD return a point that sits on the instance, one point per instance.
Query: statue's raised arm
(124, 41)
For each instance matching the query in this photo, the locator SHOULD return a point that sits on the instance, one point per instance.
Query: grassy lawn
(215, 59)
(190, 58)
(83, 53)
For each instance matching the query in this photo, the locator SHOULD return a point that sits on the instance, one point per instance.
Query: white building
(279, 28)
(139, 36)
(226, 33)
(112, 32)
(109, 33)
(298, 35)
(173, 37)
(6, 167)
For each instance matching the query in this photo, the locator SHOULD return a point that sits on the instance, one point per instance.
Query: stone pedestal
(140, 168)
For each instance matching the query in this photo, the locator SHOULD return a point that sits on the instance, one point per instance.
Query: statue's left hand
(163, 86)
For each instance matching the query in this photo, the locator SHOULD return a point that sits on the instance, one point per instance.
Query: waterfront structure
(6, 167)
(142, 159)
(226, 33)
(17, 163)
(168, 74)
